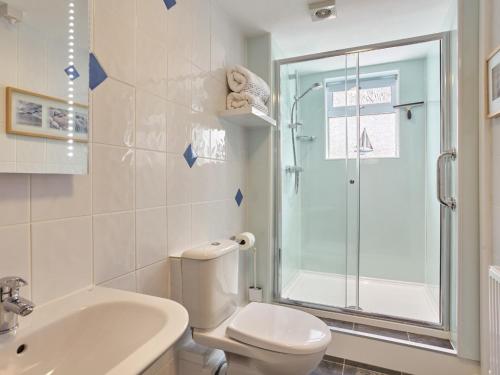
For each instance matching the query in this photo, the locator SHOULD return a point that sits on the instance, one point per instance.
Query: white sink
(97, 331)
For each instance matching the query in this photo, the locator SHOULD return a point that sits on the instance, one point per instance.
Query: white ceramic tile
(208, 94)
(175, 279)
(113, 113)
(151, 65)
(179, 228)
(235, 217)
(114, 245)
(62, 256)
(179, 180)
(60, 196)
(151, 179)
(179, 25)
(121, 10)
(32, 60)
(7, 144)
(218, 143)
(179, 80)
(154, 280)
(60, 152)
(151, 126)
(201, 34)
(152, 19)
(209, 180)
(236, 146)
(57, 61)
(208, 222)
(217, 98)
(15, 253)
(200, 134)
(113, 179)
(199, 92)
(30, 150)
(178, 128)
(151, 234)
(114, 38)
(9, 53)
(126, 282)
(218, 61)
(236, 177)
(14, 199)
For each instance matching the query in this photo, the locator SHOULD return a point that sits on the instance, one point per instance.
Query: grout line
(395, 341)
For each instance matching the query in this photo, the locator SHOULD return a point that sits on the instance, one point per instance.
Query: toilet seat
(279, 329)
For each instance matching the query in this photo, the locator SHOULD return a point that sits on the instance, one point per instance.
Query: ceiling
(359, 22)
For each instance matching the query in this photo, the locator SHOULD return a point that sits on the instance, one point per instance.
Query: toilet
(259, 338)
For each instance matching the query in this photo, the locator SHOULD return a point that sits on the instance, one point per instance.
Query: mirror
(44, 76)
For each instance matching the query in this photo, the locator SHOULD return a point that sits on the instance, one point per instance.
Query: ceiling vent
(323, 10)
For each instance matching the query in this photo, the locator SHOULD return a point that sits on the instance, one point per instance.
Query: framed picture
(37, 115)
(493, 84)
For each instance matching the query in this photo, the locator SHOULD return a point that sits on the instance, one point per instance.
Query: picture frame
(36, 115)
(493, 84)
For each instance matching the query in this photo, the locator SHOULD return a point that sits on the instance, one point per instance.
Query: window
(378, 122)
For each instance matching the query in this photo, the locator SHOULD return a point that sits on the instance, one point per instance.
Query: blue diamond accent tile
(72, 73)
(96, 72)
(190, 156)
(169, 3)
(239, 197)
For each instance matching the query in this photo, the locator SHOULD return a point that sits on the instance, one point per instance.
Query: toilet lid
(280, 329)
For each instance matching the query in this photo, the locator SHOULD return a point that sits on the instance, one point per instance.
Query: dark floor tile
(351, 370)
(331, 358)
(429, 340)
(328, 368)
(338, 323)
(381, 331)
(374, 369)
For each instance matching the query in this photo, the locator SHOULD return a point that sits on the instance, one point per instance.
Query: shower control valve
(291, 169)
(295, 125)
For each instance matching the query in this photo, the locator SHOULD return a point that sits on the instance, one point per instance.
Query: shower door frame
(445, 214)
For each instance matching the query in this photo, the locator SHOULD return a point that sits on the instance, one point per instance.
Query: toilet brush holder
(255, 294)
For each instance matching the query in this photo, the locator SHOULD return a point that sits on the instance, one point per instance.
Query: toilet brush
(254, 292)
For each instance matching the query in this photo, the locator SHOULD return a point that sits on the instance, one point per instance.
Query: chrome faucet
(12, 304)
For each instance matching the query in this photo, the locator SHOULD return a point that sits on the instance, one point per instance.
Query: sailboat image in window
(365, 146)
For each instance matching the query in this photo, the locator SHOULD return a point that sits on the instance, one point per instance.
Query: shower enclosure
(365, 181)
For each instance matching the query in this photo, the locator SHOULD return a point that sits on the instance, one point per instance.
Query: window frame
(371, 80)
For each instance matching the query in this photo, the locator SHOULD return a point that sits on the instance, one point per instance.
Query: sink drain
(21, 349)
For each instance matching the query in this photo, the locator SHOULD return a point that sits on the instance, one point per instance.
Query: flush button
(215, 243)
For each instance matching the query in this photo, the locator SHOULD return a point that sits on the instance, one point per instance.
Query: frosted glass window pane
(382, 130)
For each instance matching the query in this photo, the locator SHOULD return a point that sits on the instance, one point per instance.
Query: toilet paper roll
(246, 240)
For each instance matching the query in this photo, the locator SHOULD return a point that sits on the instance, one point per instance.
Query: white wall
(494, 41)
(489, 39)
(141, 201)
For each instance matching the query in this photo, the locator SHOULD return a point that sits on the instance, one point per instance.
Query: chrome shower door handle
(449, 202)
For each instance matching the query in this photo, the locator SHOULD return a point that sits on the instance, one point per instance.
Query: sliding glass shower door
(360, 228)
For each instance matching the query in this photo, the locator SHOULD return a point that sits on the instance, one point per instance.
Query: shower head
(314, 86)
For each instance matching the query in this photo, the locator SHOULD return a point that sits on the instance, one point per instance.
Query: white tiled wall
(141, 201)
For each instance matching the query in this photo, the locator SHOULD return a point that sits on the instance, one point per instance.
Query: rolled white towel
(237, 100)
(240, 80)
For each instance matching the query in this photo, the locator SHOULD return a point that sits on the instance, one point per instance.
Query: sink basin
(96, 331)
